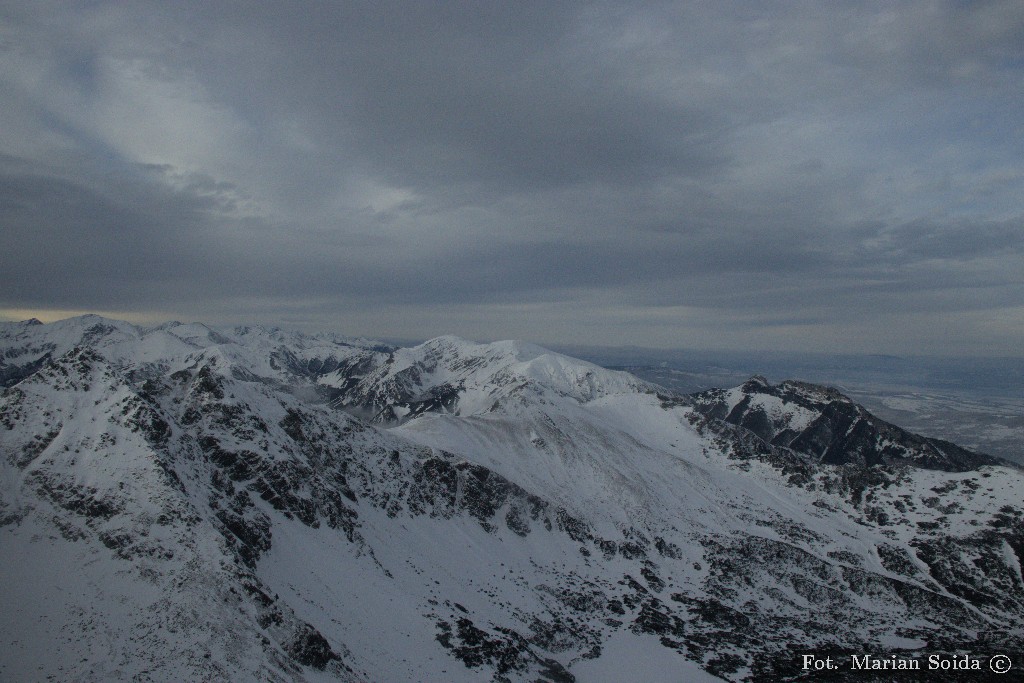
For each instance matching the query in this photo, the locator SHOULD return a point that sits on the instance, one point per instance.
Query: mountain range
(187, 503)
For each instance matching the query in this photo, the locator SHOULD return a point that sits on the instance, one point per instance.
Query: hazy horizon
(784, 176)
(611, 354)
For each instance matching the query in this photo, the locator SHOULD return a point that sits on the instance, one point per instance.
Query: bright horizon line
(147, 319)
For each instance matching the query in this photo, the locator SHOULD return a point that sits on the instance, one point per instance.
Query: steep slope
(452, 375)
(112, 564)
(181, 503)
(828, 427)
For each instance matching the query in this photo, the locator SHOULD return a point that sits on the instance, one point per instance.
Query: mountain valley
(187, 503)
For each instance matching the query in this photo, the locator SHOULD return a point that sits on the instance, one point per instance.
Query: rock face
(182, 503)
(828, 427)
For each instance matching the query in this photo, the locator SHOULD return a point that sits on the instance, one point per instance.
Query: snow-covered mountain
(183, 503)
(828, 427)
(451, 375)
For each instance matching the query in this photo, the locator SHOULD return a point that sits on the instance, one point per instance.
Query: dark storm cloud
(957, 241)
(513, 94)
(809, 168)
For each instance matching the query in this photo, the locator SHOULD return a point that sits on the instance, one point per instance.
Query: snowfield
(185, 503)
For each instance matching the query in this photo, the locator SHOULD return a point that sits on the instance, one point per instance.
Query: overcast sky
(811, 176)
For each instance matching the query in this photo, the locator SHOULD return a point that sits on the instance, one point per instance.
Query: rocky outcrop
(226, 520)
(827, 427)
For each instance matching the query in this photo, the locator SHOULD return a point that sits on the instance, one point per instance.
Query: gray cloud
(792, 175)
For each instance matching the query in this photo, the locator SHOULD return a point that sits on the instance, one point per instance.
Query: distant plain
(977, 403)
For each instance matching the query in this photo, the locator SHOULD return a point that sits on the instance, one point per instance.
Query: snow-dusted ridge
(188, 503)
(826, 426)
(464, 378)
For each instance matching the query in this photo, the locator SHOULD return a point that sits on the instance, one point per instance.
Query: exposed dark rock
(841, 432)
(504, 650)
(309, 647)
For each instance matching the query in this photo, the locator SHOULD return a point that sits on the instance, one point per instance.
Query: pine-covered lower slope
(180, 503)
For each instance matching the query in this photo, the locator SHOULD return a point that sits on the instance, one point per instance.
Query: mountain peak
(514, 514)
(756, 383)
(824, 425)
(449, 374)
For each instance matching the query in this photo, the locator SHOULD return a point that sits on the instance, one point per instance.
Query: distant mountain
(451, 375)
(188, 503)
(827, 427)
(974, 403)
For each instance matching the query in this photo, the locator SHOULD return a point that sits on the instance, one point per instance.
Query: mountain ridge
(545, 520)
(830, 427)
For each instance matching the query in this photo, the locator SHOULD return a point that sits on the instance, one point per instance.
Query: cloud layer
(743, 175)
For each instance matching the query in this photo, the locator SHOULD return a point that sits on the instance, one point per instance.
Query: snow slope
(184, 503)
